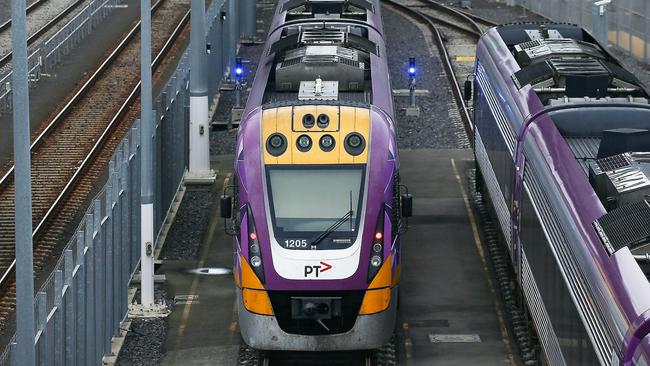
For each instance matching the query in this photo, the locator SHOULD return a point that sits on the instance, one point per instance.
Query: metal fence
(48, 54)
(81, 305)
(628, 20)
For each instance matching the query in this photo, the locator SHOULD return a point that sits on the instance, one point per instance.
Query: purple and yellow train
(562, 143)
(317, 208)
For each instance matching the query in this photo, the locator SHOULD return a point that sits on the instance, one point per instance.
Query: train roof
(564, 64)
(323, 53)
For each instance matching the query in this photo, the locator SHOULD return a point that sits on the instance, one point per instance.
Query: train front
(316, 249)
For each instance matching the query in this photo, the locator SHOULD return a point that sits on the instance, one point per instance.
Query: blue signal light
(239, 68)
(412, 70)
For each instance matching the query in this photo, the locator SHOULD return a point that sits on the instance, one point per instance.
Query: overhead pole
(199, 169)
(25, 351)
(249, 19)
(146, 162)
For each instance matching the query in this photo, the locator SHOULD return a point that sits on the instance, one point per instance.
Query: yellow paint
(248, 277)
(465, 58)
(375, 301)
(257, 301)
(288, 122)
(624, 40)
(383, 278)
(638, 47)
(362, 126)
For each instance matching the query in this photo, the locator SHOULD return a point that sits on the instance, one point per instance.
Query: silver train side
(561, 144)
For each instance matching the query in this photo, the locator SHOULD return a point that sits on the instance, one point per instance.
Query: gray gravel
(186, 234)
(144, 342)
(439, 125)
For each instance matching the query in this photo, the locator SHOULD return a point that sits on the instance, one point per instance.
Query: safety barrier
(82, 304)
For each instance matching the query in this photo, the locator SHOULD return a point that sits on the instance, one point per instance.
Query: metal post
(249, 19)
(199, 167)
(233, 35)
(25, 351)
(599, 21)
(146, 176)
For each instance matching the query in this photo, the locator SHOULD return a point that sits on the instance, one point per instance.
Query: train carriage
(562, 135)
(316, 206)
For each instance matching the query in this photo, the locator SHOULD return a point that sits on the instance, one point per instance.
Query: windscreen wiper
(331, 229)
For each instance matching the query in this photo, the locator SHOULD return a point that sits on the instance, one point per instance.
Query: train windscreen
(316, 199)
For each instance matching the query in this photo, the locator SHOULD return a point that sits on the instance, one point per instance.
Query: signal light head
(239, 68)
(412, 70)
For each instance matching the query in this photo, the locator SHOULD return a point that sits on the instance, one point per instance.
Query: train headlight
(354, 143)
(375, 261)
(256, 261)
(303, 143)
(276, 144)
(323, 120)
(376, 247)
(308, 120)
(326, 143)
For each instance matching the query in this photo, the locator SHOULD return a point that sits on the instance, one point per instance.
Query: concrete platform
(449, 313)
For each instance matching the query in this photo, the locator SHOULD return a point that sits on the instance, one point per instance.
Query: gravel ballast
(186, 234)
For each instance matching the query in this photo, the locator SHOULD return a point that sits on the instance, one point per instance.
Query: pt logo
(314, 271)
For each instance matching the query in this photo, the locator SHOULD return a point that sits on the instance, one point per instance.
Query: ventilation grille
(322, 36)
(627, 226)
(291, 62)
(578, 66)
(612, 163)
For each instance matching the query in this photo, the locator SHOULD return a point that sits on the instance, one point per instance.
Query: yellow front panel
(284, 127)
(362, 126)
(331, 110)
(288, 122)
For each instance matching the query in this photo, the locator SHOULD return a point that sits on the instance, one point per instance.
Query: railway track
(71, 153)
(455, 34)
(42, 16)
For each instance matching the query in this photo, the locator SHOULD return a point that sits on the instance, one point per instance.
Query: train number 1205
(296, 243)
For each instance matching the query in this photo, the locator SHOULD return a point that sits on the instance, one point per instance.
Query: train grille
(613, 163)
(627, 226)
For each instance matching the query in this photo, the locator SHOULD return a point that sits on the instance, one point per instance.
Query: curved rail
(106, 134)
(31, 39)
(429, 20)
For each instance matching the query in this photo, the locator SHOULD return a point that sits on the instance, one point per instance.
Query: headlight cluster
(377, 249)
(254, 250)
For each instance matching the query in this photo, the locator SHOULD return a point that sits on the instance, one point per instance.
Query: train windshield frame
(302, 203)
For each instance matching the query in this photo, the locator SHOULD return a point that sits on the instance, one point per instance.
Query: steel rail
(7, 57)
(75, 98)
(4, 26)
(106, 134)
(446, 61)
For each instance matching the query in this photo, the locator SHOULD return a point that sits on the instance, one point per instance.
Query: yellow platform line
(479, 249)
(195, 283)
